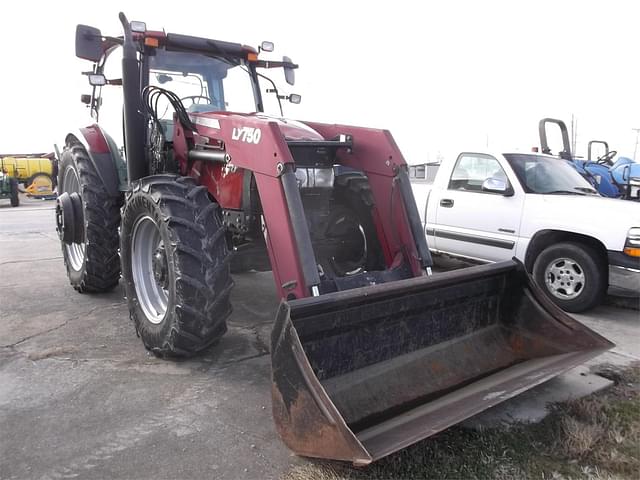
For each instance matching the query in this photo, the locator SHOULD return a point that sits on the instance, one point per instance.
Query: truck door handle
(446, 203)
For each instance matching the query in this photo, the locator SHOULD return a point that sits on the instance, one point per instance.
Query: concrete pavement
(81, 397)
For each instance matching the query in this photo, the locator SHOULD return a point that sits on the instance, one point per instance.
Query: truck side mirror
(88, 43)
(267, 46)
(497, 185)
(289, 73)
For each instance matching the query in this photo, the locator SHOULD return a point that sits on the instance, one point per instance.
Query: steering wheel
(607, 158)
(193, 99)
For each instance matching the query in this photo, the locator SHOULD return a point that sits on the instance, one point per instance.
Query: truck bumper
(624, 272)
(625, 278)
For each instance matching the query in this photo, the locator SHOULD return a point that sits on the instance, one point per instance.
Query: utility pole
(635, 149)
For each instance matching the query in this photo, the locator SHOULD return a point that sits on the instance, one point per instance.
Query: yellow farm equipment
(33, 170)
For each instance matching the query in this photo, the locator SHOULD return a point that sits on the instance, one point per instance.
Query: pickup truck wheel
(572, 275)
(175, 265)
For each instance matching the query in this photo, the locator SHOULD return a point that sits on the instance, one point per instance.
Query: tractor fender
(104, 156)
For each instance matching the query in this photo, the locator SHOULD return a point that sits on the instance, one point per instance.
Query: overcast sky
(443, 77)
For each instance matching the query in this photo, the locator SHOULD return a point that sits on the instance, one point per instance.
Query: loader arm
(257, 144)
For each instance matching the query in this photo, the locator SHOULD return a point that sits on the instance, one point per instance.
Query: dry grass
(604, 430)
(596, 437)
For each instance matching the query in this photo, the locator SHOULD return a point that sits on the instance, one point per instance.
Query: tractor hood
(291, 129)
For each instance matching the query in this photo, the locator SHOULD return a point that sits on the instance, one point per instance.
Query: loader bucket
(362, 373)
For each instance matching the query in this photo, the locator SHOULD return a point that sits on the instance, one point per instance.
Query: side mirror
(138, 27)
(497, 185)
(97, 79)
(267, 46)
(289, 73)
(88, 43)
(295, 98)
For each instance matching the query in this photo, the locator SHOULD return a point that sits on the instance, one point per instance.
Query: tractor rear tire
(15, 198)
(175, 265)
(93, 266)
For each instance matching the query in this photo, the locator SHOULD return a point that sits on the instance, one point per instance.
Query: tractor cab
(204, 75)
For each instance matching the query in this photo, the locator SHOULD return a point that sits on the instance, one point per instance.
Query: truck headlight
(632, 245)
(634, 186)
(315, 177)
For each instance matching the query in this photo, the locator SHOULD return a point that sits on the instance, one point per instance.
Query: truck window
(542, 174)
(417, 172)
(472, 170)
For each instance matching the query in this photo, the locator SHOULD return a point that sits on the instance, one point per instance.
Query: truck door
(474, 222)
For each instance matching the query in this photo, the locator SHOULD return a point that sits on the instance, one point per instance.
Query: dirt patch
(593, 437)
(50, 352)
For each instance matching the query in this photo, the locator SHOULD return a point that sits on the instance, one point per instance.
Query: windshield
(203, 83)
(546, 175)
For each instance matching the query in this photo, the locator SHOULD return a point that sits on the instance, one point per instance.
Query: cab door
(472, 221)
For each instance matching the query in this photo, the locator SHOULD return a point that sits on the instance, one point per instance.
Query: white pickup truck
(489, 207)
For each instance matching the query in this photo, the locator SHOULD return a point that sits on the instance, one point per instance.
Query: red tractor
(370, 353)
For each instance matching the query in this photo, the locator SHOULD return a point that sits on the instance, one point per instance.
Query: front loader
(370, 352)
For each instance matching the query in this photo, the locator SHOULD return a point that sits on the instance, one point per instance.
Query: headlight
(634, 187)
(314, 177)
(632, 245)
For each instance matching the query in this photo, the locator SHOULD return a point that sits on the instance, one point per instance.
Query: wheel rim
(564, 278)
(75, 251)
(149, 269)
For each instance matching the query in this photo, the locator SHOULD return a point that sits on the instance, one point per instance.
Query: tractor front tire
(93, 266)
(175, 265)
